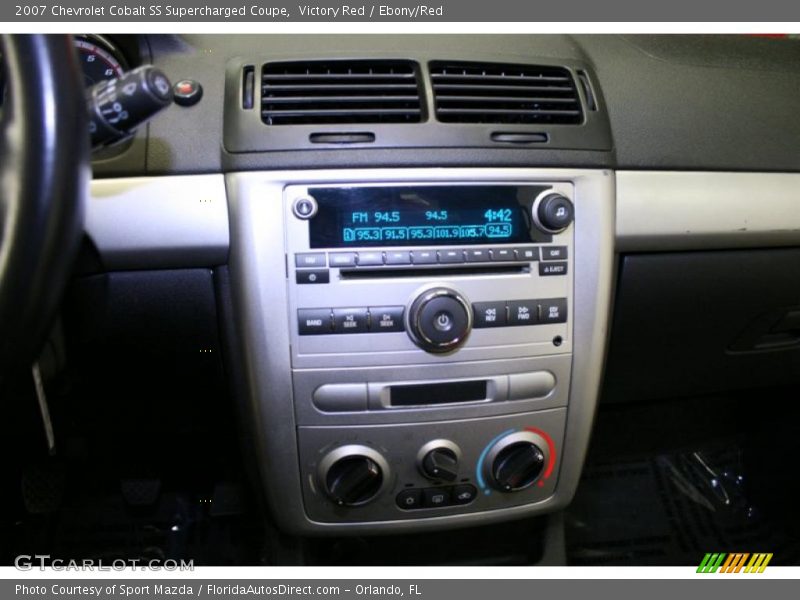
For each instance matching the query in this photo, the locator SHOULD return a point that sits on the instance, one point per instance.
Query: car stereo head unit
(428, 272)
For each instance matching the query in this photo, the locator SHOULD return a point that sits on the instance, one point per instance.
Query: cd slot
(438, 271)
(429, 394)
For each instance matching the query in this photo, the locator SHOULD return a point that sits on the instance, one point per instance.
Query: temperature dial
(516, 461)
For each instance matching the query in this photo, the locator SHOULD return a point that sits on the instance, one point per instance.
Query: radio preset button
(369, 259)
(423, 257)
(489, 314)
(478, 255)
(547, 269)
(554, 253)
(451, 256)
(312, 276)
(523, 312)
(342, 259)
(398, 257)
(350, 320)
(310, 259)
(553, 310)
(314, 321)
(503, 254)
(384, 319)
(527, 254)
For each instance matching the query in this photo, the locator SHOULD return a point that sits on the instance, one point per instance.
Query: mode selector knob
(439, 320)
(439, 460)
(353, 475)
(553, 213)
(516, 461)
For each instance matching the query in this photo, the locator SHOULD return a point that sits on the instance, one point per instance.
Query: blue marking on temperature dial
(479, 467)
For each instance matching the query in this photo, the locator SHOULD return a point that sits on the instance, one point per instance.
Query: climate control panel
(400, 472)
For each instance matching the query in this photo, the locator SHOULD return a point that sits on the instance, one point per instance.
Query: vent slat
(340, 92)
(331, 87)
(467, 92)
(340, 112)
(489, 79)
(514, 99)
(502, 88)
(329, 99)
(503, 111)
(335, 76)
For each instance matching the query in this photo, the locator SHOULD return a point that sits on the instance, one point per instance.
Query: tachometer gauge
(100, 59)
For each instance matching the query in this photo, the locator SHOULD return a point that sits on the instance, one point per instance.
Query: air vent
(340, 92)
(467, 92)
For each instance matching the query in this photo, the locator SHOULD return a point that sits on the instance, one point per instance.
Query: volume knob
(439, 320)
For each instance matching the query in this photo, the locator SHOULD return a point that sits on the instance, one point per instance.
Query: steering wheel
(44, 174)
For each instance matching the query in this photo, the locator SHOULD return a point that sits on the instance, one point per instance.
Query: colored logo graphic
(734, 563)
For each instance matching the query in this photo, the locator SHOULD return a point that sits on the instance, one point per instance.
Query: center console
(423, 347)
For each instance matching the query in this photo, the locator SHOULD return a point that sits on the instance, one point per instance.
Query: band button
(313, 321)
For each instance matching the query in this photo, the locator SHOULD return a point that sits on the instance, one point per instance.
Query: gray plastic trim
(678, 210)
(159, 222)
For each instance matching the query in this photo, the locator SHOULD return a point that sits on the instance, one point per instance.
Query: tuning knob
(439, 460)
(553, 213)
(439, 320)
(516, 461)
(353, 475)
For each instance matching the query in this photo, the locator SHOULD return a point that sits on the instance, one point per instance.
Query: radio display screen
(422, 215)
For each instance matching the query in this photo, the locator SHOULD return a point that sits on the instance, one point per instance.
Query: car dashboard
(424, 262)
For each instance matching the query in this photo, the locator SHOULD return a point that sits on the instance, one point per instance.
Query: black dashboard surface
(674, 102)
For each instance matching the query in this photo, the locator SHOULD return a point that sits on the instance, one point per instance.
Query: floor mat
(671, 509)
